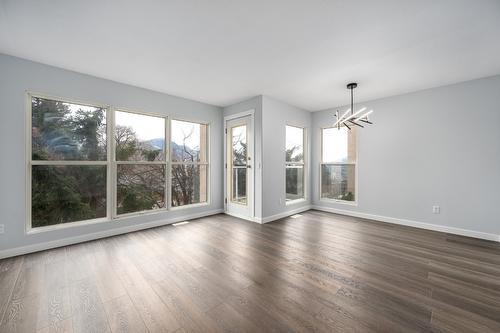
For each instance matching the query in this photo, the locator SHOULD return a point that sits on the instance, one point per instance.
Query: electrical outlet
(436, 209)
(281, 201)
(2, 228)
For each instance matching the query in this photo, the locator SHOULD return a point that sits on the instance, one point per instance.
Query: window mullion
(168, 167)
(111, 167)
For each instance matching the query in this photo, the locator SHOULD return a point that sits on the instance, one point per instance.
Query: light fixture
(350, 117)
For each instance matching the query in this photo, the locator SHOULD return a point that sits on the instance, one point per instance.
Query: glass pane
(294, 144)
(338, 182)
(140, 187)
(239, 139)
(189, 184)
(67, 131)
(189, 141)
(239, 185)
(63, 194)
(339, 145)
(294, 182)
(139, 137)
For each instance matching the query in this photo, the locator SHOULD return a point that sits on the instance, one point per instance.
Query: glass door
(239, 171)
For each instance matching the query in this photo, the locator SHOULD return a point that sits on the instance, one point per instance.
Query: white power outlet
(281, 201)
(436, 209)
(2, 228)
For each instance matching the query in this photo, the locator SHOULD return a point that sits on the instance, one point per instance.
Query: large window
(338, 167)
(140, 162)
(90, 162)
(189, 159)
(68, 162)
(294, 163)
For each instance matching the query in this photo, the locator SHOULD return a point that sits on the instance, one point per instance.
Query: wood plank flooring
(317, 273)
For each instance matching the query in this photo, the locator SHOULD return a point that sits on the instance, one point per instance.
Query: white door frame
(250, 113)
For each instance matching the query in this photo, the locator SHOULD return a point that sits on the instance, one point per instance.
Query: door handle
(249, 166)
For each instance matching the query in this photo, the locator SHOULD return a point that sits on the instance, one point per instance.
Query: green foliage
(60, 133)
(347, 196)
(150, 155)
(62, 194)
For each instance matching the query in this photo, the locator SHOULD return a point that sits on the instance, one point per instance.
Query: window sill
(295, 202)
(201, 204)
(118, 218)
(61, 226)
(342, 202)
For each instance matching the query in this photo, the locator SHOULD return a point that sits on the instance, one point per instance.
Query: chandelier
(350, 117)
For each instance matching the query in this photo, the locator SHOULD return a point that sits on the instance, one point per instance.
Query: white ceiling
(301, 52)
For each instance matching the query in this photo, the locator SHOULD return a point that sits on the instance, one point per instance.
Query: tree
(63, 194)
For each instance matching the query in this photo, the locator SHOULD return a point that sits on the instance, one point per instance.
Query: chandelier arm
(355, 123)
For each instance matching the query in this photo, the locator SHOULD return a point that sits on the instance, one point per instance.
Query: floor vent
(180, 223)
(296, 216)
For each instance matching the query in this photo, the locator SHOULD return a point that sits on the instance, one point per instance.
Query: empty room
(250, 166)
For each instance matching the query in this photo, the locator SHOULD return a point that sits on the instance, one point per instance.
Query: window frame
(110, 163)
(171, 163)
(303, 164)
(115, 164)
(29, 229)
(356, 167)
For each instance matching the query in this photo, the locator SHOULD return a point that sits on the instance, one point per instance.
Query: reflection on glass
(67, 193)
(339, 145)
(67, 131)
(239, 140)
(139, 137)
(294, 182)
(294, 144)
(189, 141)
(189, 184)
(338, 181)
(140, 187)
(239, 185)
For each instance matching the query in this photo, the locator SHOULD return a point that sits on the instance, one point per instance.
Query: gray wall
(276, 115)
(18, 76)
(271, 117)
(434, 147)
(254, 103)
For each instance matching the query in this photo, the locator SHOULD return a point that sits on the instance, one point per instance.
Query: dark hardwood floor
(319, 272)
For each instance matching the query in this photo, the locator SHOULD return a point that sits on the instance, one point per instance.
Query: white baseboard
(267, 219)
(101, 234)
(243, 217)
(275, 217)
(410, 223)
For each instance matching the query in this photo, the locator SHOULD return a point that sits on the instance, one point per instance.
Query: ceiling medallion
(350, 117)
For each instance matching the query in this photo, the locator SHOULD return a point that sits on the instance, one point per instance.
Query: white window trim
(29, 163)
(111, 163)
(303, 164)
(207, 164)
(356, 178)
(115, 164)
